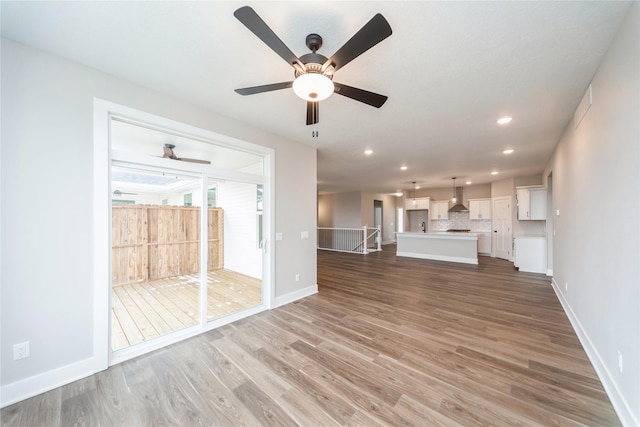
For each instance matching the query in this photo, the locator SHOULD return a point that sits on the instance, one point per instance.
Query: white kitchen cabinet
(532, 203)
(440, 210)
(530, 253)
(417, 203)
(484, 242)
(479, 208)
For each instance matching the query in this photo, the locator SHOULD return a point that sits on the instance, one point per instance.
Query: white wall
(47, 143)
(340, 210)
(388, 213)
(596, 182)
(354, 209)
(241, 251)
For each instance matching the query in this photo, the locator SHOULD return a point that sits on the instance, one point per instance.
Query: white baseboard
(621, 406)
(550, 272)
(37, 384)
(296, 295)
(439, 257)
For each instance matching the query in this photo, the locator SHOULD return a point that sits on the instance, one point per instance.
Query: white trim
(268, 230)
(295, 295)
(104, 112)
(550, 272)
(101, 236)
(41, 383)
(621, 406)
(438, 257)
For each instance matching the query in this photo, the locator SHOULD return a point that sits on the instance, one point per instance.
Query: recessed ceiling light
(507, 151)
(417, 187)
(368, 152)
(469, 183)
(494, 173)
(504, 120)
(403, 168)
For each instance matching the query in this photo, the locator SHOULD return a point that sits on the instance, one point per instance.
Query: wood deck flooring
(386, 342)
(146, 310)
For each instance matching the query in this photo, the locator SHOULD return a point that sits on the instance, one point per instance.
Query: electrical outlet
(304, 235)
(620, 364)
(21, 350)
(297, 277)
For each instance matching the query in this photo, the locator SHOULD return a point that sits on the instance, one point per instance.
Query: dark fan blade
(257, 26)
(373, 32)
(313, 112)
(204, 162)
(371, 98)
(264, 88)
(119, 193)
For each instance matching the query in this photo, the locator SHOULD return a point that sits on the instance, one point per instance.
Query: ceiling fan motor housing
(313, 64)
(313, 42)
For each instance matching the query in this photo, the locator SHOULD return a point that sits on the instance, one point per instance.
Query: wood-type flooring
(386, 342)
(150, 309)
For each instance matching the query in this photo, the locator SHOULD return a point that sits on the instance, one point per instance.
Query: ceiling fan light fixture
(313, 87)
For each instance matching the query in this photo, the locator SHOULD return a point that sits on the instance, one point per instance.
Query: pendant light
(414, 193)
(454, 198)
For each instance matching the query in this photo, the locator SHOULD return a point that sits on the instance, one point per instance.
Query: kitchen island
(440, 246)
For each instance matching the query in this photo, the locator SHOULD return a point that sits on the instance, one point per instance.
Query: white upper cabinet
(479, 208)
(440, 210)
(532, 203)
(417, 203)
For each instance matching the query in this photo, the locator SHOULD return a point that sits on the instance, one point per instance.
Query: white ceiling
(450, 69)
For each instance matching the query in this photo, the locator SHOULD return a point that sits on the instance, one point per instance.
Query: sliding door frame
(104, 157)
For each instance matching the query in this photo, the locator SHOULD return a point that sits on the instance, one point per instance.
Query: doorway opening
(377, 215)
(157, 270)
(182, 242)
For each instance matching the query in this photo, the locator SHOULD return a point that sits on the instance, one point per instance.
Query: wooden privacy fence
(153, 242)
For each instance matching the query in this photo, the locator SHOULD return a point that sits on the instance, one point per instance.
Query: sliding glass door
(186, 238)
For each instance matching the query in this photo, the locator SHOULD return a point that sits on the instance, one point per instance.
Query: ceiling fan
(314, 72)
(118, 193)
(170, 154)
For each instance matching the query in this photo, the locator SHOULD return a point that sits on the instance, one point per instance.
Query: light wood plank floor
(146, 310)
(385, 342)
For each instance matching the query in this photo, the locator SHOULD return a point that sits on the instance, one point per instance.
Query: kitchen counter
(440, 246)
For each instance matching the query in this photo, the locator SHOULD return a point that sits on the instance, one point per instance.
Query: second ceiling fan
(314, 72)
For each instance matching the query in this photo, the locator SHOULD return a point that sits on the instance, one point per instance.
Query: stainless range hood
(458, 207)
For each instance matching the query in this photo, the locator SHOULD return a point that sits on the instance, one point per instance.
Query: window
(211, 197)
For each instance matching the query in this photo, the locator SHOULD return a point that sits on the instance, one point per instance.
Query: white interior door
(502, 232)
